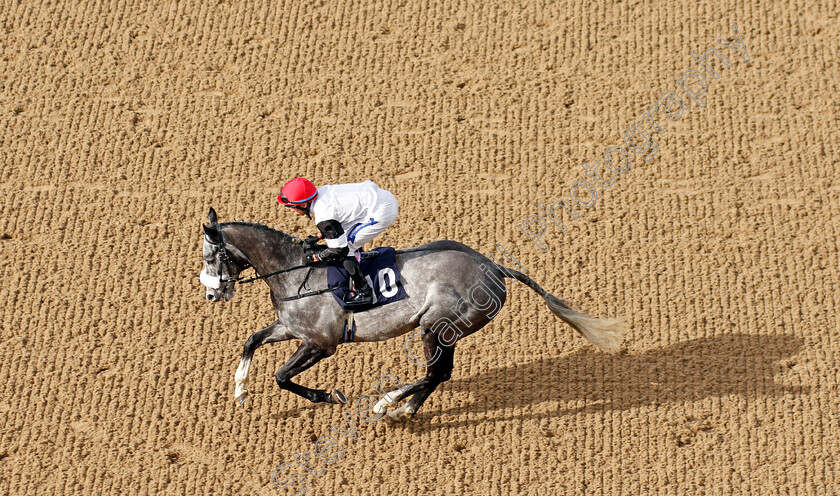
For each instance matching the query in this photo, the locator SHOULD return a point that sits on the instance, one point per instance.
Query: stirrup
(359, 298)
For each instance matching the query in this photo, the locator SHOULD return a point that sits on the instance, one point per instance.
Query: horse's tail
(606, 334)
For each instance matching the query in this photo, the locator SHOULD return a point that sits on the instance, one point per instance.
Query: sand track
(122, 122)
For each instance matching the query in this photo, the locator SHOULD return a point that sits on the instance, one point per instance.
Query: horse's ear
(212, 217)
(213, 234)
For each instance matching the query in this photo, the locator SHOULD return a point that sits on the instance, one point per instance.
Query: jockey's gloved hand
(328, 254)
(310, 243)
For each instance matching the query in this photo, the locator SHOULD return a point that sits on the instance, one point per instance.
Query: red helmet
(297, 192)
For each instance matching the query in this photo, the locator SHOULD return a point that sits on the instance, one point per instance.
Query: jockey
(347, 216)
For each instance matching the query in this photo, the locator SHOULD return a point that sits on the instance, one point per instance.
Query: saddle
(379, 267)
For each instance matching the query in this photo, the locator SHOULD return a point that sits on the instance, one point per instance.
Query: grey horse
(452, 291)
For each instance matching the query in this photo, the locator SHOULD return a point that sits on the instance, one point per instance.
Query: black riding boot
(363, 293)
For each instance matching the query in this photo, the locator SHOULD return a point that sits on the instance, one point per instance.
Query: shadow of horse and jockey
(592, 383)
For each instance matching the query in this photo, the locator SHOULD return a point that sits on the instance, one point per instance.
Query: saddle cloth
(379, 267)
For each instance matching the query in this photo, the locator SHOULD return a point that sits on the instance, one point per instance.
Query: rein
(258, 277)
(225, 258)
(302, 285)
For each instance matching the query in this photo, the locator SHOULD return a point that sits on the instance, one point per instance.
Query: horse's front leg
(307, 355)
(271, 334)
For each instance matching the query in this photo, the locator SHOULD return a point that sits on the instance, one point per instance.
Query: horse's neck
(266, 251)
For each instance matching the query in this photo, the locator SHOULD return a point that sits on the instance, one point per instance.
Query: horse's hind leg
(271, 334)
(399, 394)
(393, 397)
(306, 356)
(440, 371)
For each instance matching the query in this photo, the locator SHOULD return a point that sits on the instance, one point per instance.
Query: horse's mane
(262, 227)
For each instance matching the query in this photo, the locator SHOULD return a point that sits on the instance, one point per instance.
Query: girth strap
(349, 328)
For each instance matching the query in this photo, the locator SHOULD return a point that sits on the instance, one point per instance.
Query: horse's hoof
(338, 397)
(400, 414)
(242, 399)
(388, 400)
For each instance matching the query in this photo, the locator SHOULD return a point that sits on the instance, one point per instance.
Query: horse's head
(222, 263)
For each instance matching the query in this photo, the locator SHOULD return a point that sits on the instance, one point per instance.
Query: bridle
(225, 262)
